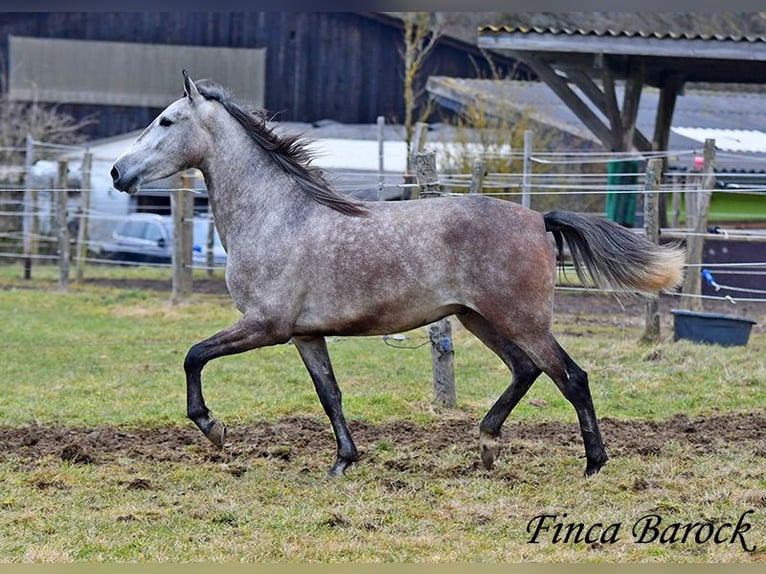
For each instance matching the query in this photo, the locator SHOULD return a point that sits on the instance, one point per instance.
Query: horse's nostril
(115, 174)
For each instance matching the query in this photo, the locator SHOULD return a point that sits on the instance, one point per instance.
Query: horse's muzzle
(123, 183)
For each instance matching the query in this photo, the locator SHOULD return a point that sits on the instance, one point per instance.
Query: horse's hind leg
(313, 351)
(525, 372)
(243, 336)
(572, 381)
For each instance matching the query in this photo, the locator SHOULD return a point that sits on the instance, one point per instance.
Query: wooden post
(62, 196)
(416, 146)
(676, 215)
(442, 356)
(188, 234)
(651, 227)
(692, 286)
(28, 215)
(381, 166)
(210, 256)
(34, 232)
(82, 226)
(478, 173)
(176, 213)
(439, 333)
(526, 199)
(425, 172)
(182, 211)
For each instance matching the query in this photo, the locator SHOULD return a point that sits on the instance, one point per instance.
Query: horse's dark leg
(313, 351)
(525, 372)
(572, 381)
(243, 336)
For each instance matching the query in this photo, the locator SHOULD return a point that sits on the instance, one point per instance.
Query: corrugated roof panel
(494, 29)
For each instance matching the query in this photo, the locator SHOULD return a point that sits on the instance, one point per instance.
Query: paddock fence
(41, 211)
(47, 216)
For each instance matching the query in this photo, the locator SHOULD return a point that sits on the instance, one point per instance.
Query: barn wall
(337, 65)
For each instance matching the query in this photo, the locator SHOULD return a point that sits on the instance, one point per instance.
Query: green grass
(100, 355)
(106, 355)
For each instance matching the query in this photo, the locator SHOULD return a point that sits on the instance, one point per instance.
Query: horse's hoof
(339, 468)
(217, 433)
(490, 449)
(594, 466)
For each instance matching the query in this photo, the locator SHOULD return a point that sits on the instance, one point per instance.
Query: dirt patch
(295, 437)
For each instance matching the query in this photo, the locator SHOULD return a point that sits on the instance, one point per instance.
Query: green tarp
(621, 182)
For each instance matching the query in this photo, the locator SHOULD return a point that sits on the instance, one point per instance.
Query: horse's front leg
(313, 351)
(246, 334)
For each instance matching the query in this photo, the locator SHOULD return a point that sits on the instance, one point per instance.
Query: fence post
(425, 172)
(82, 223)
(439, 333)
(182, 211)
(676, 202)
(651, 227)
(692, 286)
(416, 145)
(210, 242)
(62, 197)
(478, 172)
(526, 199)
(381, 122)
(28, 215)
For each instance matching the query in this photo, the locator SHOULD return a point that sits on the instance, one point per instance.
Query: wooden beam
(589, 88)
(632, 97)
(569, 97)
(613, 110)
(665, 108)
(669, 91)
(606, 102)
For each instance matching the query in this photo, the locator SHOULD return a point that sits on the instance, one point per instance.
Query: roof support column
(632, 97)
(669, 91)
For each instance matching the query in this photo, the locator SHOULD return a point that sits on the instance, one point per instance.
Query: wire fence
(59, 199)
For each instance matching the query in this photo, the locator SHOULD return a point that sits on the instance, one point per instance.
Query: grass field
(102, 365)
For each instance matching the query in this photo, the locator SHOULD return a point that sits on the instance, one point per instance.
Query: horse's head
(171, 143)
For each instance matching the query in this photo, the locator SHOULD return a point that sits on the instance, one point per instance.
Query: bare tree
(421, 32)
(43, 123)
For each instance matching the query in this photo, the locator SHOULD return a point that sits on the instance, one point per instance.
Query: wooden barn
(123, 67)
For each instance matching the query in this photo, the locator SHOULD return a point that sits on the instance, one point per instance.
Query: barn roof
(697, 56)
(587, 66)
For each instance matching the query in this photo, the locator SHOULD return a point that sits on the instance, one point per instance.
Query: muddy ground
(295, 437)
(300, 437)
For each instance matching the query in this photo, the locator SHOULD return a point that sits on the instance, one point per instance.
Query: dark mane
(288, 151)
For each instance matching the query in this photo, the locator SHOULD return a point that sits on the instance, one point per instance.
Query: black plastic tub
(727, 330)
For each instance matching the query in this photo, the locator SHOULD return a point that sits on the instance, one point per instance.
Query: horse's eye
(165, 122)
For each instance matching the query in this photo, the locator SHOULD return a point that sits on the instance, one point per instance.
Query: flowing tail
(613, 256)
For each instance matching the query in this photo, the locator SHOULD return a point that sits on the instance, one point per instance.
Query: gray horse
(305, 262)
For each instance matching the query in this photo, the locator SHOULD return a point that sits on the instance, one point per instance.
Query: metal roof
(574, 31)
(694, 56)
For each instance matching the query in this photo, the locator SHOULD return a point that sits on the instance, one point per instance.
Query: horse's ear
(190, 89)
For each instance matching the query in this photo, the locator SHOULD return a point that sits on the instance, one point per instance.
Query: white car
(148, 238)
